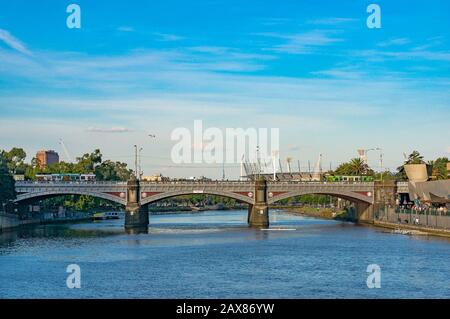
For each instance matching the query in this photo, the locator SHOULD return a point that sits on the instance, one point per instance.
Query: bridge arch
(161, 196)
(350, 196)
(32, 196)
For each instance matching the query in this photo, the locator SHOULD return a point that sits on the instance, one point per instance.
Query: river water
(215, 255)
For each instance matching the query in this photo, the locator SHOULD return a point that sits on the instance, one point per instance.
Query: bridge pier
(364, 212)
(384, 196)
(136, 216)
(258, 214)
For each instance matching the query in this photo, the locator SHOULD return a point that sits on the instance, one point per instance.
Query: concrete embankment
(415, 229)
(326, 213)
(9, 221)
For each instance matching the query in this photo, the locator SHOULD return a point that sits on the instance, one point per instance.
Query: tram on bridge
(65, 177)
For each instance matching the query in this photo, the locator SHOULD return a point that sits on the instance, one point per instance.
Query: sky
(313, 69)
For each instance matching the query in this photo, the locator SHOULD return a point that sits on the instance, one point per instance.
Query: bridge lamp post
(381, 157)
(381, 161)
(135, 161)
(140, 167)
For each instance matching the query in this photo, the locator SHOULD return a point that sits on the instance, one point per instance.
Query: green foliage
(415, 158)
(15, 160)
(78, 203)
(199, 200)
(7, 191)
(356, 167)
(112, 171)
(440, 167)
(88, 162)
(12, 162)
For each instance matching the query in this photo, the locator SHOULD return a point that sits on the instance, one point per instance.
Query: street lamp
(135, 161)
(140, 168)
(381, 157)
(381, 161)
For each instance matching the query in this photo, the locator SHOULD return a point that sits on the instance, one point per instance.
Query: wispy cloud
(393, 42)
(108, 130)
(13, 42)
(302, 43)
(274, 21)
(167, 37)
(331, 21)
(380, 55)
(348, 73)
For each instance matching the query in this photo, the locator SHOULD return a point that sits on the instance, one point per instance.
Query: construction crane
(66, 152)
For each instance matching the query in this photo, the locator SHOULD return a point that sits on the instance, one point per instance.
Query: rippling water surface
(215, 255)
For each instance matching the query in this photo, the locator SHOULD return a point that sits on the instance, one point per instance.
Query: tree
(439, 167)
(112, 171)
(88, 162)
(15, 160)
(415, 158)
(356, 167)
(7, 191)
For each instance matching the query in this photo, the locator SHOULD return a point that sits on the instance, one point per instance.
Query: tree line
(12, 162)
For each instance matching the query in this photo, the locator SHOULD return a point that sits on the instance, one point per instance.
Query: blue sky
(311, 68)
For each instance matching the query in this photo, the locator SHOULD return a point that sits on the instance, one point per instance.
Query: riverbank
(413, 229)
(326, 213)
(11, 221)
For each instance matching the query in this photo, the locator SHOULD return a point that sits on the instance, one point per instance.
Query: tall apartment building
(45, 158)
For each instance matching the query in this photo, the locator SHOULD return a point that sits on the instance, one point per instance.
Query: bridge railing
(220, 182)
(195, 182)
(320, 183)
(29, 183)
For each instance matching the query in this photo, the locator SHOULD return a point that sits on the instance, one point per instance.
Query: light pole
(140, 168)
(381, 161)
(152, 136)
(135, 161)
(381, 157)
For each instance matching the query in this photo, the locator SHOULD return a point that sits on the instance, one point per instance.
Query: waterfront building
(155, 178)
(46, 157)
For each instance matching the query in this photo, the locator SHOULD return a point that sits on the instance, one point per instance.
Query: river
(215, 255)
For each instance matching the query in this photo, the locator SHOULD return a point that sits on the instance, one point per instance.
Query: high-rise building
(45, 158)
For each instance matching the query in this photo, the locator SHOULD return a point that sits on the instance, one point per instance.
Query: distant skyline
(312, 69)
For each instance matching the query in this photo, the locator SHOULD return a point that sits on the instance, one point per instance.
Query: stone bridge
(259, 195)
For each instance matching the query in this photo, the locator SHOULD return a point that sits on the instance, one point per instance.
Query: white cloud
(302, 43)
(331, 21)
(342, 73)
(379, 55)
(13, 42)
(393, 42)
(109, 130)
(158, 90)
(167, 37)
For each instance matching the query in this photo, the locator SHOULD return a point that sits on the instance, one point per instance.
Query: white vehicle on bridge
(65, 177)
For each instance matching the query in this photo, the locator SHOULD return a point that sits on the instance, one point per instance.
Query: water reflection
(216, 255)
